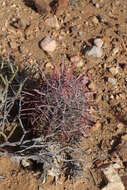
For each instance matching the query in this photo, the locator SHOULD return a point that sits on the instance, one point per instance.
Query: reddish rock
(42, 6)
(62, 4)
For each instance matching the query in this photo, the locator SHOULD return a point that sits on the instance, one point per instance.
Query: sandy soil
(21, 30)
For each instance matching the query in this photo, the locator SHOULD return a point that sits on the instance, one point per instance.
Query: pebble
(98, 42)
(114, 180)
(120, 128)
(113, 81)
(95, 20)
(48, 44)
(52, 22)
(115, 51)
(114, 70)
(97, 5)
(96, 50)
(77, 60)
(25, 163)
(80, 63)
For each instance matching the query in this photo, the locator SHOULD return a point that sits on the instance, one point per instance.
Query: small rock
(115, 182)
(52, 22)
(97, 5)
(42, 6)
(115, 51)
(114, 70)
(77, 60)
(95, 20)
(116, 166)
(49, 45)
(96, 50)
(25, 163)
(98, 42)
(80, 63)
(113, 81)
(120, 128)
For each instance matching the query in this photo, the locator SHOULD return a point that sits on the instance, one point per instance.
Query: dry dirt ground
(22, 28)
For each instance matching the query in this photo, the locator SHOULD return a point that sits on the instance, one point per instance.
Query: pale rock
(120, 129)
(95, 52)
(80, 63)
(52, 22)
(97, 5)
(48, 44)
(115, 51)
(77, 60)
(25, 163)
(115, 182)
(116, 166)
(120, 126)
(114, 70)
(98, 42)
(113, 81)
(95, 20)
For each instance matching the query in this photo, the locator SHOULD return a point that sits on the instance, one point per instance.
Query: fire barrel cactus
(59, 108)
